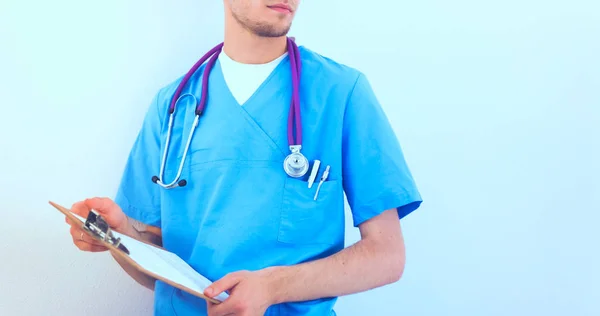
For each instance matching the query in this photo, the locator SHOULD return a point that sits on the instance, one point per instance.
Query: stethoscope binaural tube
(295, 164)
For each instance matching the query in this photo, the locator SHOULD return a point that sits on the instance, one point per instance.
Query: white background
(497, 106)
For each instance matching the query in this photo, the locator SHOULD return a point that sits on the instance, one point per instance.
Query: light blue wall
(497, 105)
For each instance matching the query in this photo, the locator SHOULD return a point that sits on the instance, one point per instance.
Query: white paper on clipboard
(164, 263)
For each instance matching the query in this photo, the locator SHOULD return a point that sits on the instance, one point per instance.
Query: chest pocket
(306, 221)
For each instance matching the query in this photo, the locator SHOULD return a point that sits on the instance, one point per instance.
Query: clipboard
(148, 258)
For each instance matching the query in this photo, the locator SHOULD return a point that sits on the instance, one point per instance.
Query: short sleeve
(375, 175)
(137, 195)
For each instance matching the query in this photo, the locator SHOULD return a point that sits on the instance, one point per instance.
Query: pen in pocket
(323, 178)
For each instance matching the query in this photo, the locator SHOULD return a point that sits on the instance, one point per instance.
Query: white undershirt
(244, 79)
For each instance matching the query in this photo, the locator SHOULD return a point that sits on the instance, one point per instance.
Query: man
(272, 243)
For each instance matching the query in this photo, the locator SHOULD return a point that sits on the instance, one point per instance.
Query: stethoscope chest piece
(295, 164)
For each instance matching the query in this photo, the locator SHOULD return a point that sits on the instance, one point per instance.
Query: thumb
(226, 283)
(109, 210)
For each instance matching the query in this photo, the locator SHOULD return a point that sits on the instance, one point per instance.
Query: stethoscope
(295, 164)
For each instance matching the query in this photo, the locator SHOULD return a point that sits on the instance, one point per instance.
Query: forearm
(363, 266)
(142, 232)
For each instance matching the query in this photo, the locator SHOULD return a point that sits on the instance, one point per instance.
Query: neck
(246, 47)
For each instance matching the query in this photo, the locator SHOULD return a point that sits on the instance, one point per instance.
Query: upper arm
(137, 195)
(376, 177)
(383, 228)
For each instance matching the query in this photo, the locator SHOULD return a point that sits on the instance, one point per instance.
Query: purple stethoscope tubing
(295, 164)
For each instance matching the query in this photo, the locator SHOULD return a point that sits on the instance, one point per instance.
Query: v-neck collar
(255, 104)
(227, 91)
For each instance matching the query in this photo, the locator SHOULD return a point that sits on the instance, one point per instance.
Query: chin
(272, 30)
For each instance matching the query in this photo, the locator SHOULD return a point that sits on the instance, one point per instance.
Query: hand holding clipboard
(101, 234)
(110, 217)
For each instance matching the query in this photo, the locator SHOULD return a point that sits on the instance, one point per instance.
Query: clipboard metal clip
(98, 227)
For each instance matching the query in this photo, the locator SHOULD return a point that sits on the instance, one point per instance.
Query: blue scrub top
(239, 209)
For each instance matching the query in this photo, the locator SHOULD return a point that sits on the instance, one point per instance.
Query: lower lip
(281, 10)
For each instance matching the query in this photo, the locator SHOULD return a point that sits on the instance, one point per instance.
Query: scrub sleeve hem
(403, 203)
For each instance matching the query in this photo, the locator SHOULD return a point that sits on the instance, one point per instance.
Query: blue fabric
(239, 210)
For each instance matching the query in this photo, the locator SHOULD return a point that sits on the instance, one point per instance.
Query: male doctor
(272, 242)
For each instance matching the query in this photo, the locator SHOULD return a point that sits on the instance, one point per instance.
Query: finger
(80, 236)
(80, 209)
(226, 283)
(100, 204)
(84, 246)
(70, 222)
